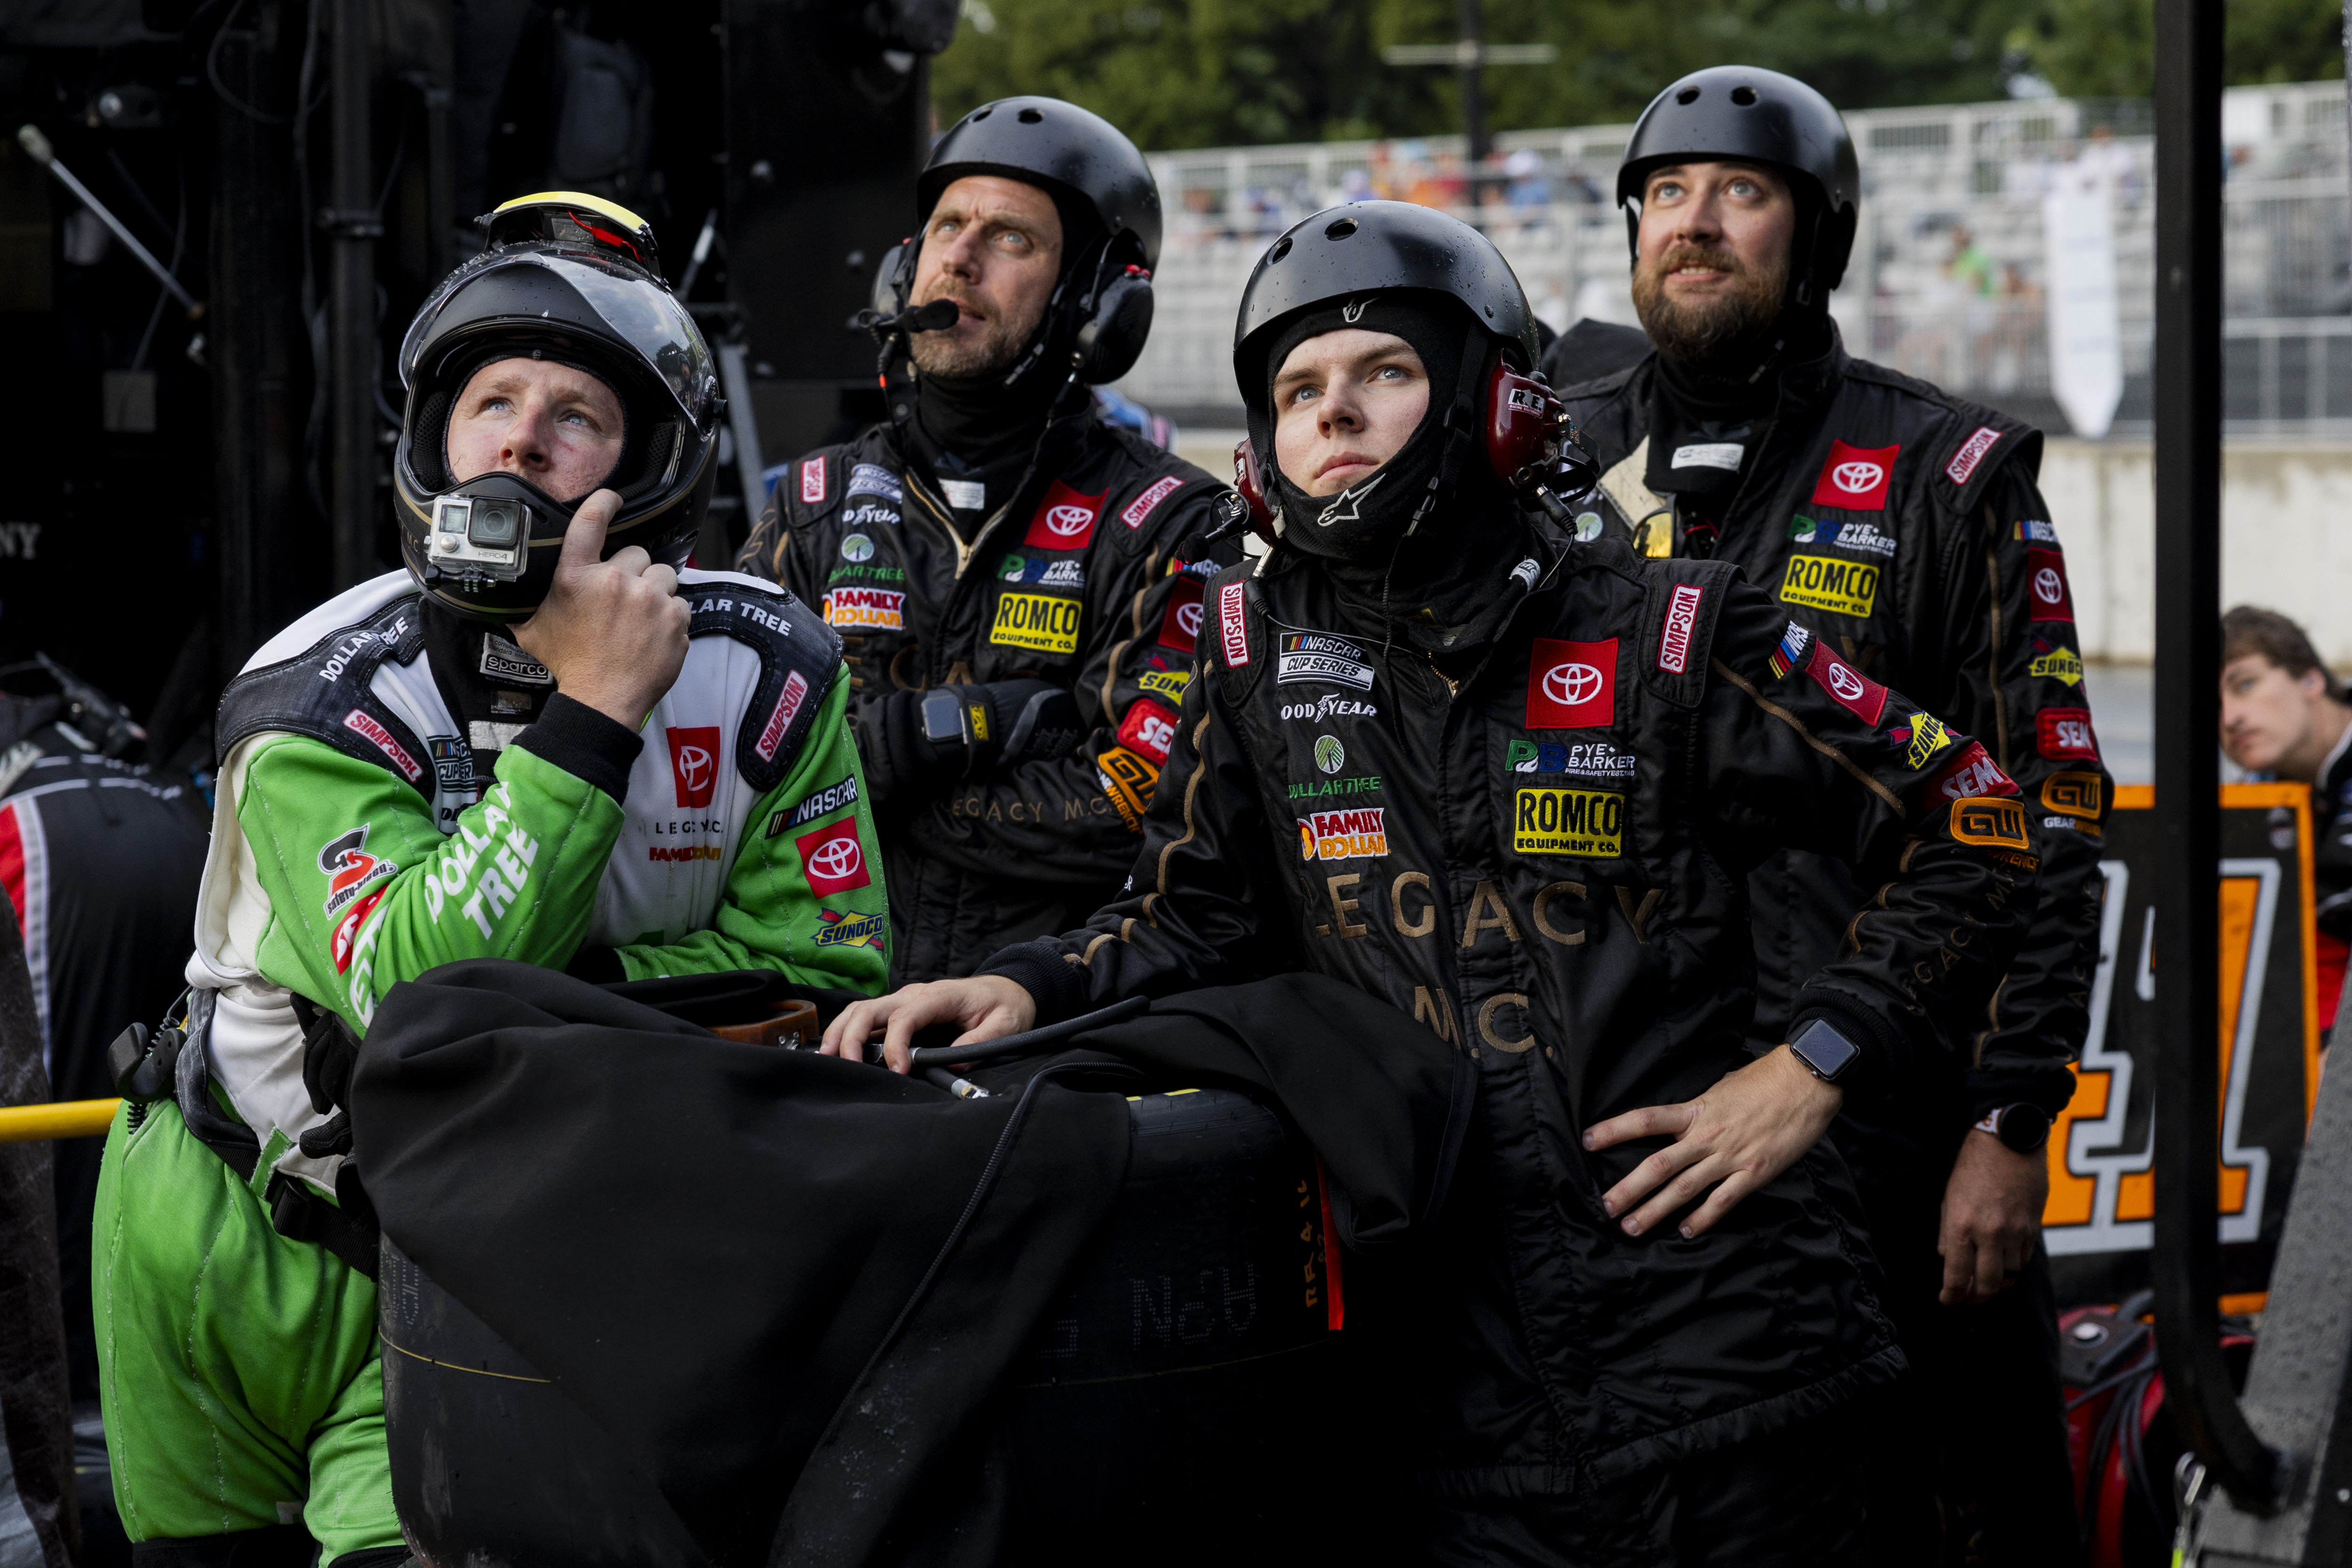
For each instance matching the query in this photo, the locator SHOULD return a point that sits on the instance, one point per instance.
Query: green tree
(2106, 48)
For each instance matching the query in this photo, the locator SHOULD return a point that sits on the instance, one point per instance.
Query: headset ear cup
(893, 279)
(1112, 340)
(1253, 494)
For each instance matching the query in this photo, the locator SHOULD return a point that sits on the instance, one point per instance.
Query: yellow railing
(66, 1119)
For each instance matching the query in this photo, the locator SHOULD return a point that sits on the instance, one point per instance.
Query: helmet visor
(626, 309)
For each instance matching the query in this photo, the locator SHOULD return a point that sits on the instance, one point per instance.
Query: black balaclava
(1428, 544)
(980, 429)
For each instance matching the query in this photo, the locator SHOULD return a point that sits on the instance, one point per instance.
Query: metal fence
(1948, 274)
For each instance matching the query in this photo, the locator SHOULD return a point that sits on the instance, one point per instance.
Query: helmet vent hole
(1031, 117)
(978, 115)
(1744, 96)
(1340, 229)
(1688, 95)
(1281, 249)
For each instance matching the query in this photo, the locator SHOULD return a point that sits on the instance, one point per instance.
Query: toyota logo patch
(1189, 618)
(1572, 685)
(833, 858)
(1857, 478)
(1064, 519)
(2048, 586)
(1843, 683)
(836, 858)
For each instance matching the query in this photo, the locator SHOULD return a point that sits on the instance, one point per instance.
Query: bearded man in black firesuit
(1902, 527)
(1009, 574)
(1513, 783)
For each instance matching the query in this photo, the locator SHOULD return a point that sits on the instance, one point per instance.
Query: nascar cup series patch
(1048, 622)
(1320, 656)
(1585, 823)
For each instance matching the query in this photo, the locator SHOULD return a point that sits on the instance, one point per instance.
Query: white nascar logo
(1857, 478)
(1067, 521)
(1572, 684)
(1189, 618)
(857, 547)
(2047, 587)
(836, 858)
(1845, 683)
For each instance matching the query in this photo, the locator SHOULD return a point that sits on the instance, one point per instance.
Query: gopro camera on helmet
(478, 539)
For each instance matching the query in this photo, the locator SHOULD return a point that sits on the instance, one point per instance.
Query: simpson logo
(345, 939)
(1046, 622)
(1972, 774)
(1855, 477)
(2073, 794)
(1572, 685)
(1826, 582)
(1972, 453)
(1179, 626)
(349, 869)
(839, 929)
(1064, 519)
(1853, 691)
(2034, 531)
(1230, 628)
(824, 803)
(694, 763)
(833, 859)
(2046, 599)
(1168, 683)
(1357, 834)
(1991, 824)
(360, 723)
(1586, 823)
(1791, 654)
(1682, 619)
(2064, 734)
(788, 705)
(873, 480)
(2057, 663)
(1320, 656)
(873, 609)
(1145, 504)
(683, 852)
(1149, 728)
(1127, 780)
(813, 481)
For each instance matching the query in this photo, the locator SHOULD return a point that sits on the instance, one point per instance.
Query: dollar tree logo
(1329, 755)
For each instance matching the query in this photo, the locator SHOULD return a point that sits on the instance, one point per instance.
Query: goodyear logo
(1991, 821)
(2059, 664)
(1928, 736)
(1046, 622)
(1165, 682)
(1820, 582)
(1586, 823)
(2073, 794)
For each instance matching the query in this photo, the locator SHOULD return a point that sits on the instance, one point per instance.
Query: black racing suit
(1904, 525)
(1076, 581)
(1541, 851)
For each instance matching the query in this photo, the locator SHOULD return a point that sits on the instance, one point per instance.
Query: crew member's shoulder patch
(1136, 513)
(1972, 451)
(813, 480)
(800, 657)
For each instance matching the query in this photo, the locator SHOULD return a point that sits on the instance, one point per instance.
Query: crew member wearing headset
(1014, 580)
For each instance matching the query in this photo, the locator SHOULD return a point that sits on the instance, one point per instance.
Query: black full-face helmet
(569, 277)
(1751, 115)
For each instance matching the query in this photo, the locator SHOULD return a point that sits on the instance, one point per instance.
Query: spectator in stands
(2285, 716)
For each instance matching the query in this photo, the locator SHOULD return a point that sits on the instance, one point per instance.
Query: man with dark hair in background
(1011, 575)
(2283, 716)
(1902, 527)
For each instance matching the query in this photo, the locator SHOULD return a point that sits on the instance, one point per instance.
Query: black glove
(1008, 722)
(902, 763)
(917, 745)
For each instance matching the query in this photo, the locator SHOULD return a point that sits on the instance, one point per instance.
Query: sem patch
(1972, 774)
(1045, 622)
(2064, 734)
(1149, 728)
(1585, 823)
(1826, 583)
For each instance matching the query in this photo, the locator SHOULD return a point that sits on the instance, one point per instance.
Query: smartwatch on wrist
(942, 717)
(1824, 1051)
(2022, 1127)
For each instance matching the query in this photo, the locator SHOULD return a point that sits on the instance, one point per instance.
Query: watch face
(1822, 1048)
(942, 717)
(2024, 1128)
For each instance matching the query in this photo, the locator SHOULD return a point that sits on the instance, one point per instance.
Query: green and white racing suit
(367, 830)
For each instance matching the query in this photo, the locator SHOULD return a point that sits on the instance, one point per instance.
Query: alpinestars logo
(1351, 499)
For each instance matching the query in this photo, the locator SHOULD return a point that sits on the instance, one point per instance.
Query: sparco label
(1681, 619)
(788, 704)
(1586, 823)
(1320, 656)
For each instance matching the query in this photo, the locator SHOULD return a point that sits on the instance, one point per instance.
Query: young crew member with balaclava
(1513, 783)
(540, 741)
(1902, 526)
(1011, 576)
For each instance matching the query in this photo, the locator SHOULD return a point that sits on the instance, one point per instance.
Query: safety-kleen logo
(1826, 582)
(1586, 823)
(1045, 622)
